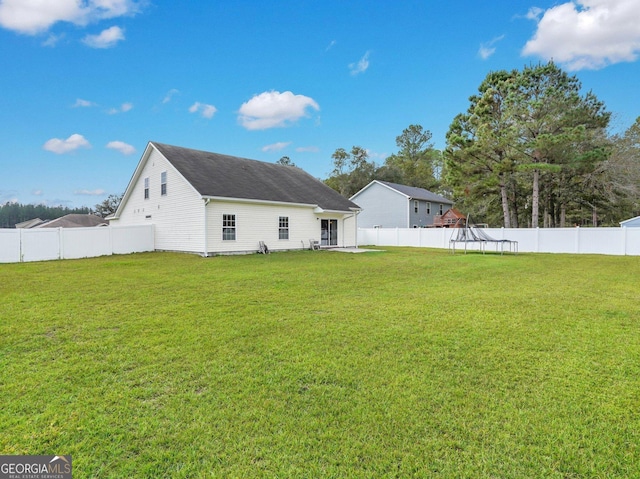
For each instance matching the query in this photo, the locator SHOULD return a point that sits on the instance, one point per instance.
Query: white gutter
(206, 246)
(249, 200)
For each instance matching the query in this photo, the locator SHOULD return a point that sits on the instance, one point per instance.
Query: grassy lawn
(402, 363)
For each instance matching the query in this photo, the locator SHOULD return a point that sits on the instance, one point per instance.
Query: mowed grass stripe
(403, 363)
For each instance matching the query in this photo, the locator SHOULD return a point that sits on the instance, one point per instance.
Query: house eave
(319, 210)
(254, 201)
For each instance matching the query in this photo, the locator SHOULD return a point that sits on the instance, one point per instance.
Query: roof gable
(217, 175)
(411, 192)
(74, 220)
(631, 222)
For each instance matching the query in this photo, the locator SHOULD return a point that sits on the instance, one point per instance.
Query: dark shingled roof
(75, 221)
(213, 174)
(416, 193)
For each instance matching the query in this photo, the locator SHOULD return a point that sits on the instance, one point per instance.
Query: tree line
(14, 213)
(531, 150)
(417, 163)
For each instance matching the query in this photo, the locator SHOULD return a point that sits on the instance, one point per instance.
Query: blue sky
(86, 84)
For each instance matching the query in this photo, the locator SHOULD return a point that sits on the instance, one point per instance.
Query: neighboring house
(389, 205)
(209, 203)
(630, 223)
(25, 225)
(74, 221)
(452, 218)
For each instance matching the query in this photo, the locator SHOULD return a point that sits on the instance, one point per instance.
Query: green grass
(403, 363)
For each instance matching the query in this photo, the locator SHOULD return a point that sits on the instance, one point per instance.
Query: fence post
(537, 239)
(20, 252)
(577, 240)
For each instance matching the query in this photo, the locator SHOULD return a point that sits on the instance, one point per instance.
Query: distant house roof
(412, 192)
(217, 175)
(452, 217)
(631, 222)
(453, 213)
(75, 221)
(29, 223)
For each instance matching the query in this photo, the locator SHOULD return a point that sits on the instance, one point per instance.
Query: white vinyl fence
(613, 241)
(42, 244)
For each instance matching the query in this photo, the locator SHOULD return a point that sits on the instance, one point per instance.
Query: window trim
(428, 207)
(146, 188)
(228, 227)
(441, 209)
(283, 227)
(415, 206)
(163, 183)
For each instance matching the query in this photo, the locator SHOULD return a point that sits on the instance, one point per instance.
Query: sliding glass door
(329, 232)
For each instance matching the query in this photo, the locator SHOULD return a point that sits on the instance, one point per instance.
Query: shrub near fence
(613, 241)
(42, 244)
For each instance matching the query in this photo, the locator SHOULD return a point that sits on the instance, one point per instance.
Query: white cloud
(361, 66)
(274, 109)
(37, 192)
(36, 16)
(206, 111)
(167, 98)
(534, 13)
(106, 39)
(307, 149)
(52, 40)
(125, 107)
(488, 48)
(281, 145)
(86, 192)
(122, 147)
(330, 46)
(75, 141)
(587, 34)
(80, 103)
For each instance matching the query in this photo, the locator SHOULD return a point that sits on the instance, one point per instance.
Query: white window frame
(163, 183)
(428, 207)
(283, 228)
(146, 188)
(415, 206)
(228, 227)
(441, 209)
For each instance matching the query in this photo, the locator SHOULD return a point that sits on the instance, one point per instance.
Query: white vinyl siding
(178, 216)
(257, 222)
